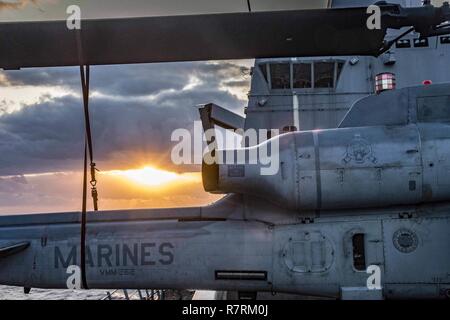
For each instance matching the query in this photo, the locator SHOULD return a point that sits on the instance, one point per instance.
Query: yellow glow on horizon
(152, 177)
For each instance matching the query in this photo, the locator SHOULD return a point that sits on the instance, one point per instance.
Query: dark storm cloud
(48, 136)
(136, 80)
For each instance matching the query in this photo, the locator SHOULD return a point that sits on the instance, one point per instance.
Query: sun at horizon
(150, 176)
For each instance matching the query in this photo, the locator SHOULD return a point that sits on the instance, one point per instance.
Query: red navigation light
(427, 82)
(384, 81)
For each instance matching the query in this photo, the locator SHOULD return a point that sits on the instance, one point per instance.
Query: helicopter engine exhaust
(341, 168)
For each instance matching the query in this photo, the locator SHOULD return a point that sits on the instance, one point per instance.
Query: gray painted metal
(212, 114)
(387, 158)
(12, 249)
(314, 259)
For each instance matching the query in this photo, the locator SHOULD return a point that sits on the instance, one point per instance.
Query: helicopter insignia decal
(405, 240)
(359, 150)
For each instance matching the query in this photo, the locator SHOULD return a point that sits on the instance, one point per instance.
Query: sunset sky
(134, 110)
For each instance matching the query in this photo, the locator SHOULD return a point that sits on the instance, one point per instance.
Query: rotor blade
(190, 38)
(106, 9)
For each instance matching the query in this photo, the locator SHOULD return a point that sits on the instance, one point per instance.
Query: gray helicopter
(359, 208)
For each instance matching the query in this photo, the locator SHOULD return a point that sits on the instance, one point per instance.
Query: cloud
(134, 80)
(4, 80)
(15, 4)
(134, 111)
(61, 192)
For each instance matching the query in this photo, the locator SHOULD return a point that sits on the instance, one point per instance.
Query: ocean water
(16, 293)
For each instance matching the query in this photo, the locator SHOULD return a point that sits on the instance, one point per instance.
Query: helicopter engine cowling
(339, 168)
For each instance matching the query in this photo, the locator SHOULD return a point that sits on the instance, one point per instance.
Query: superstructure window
(323, 74)
(289, 129)
(302, 75)
(445, 40)
(421, 43)
(263, 68)
(359, 254)
(403, 43)
(339, 67)
(280, 75)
